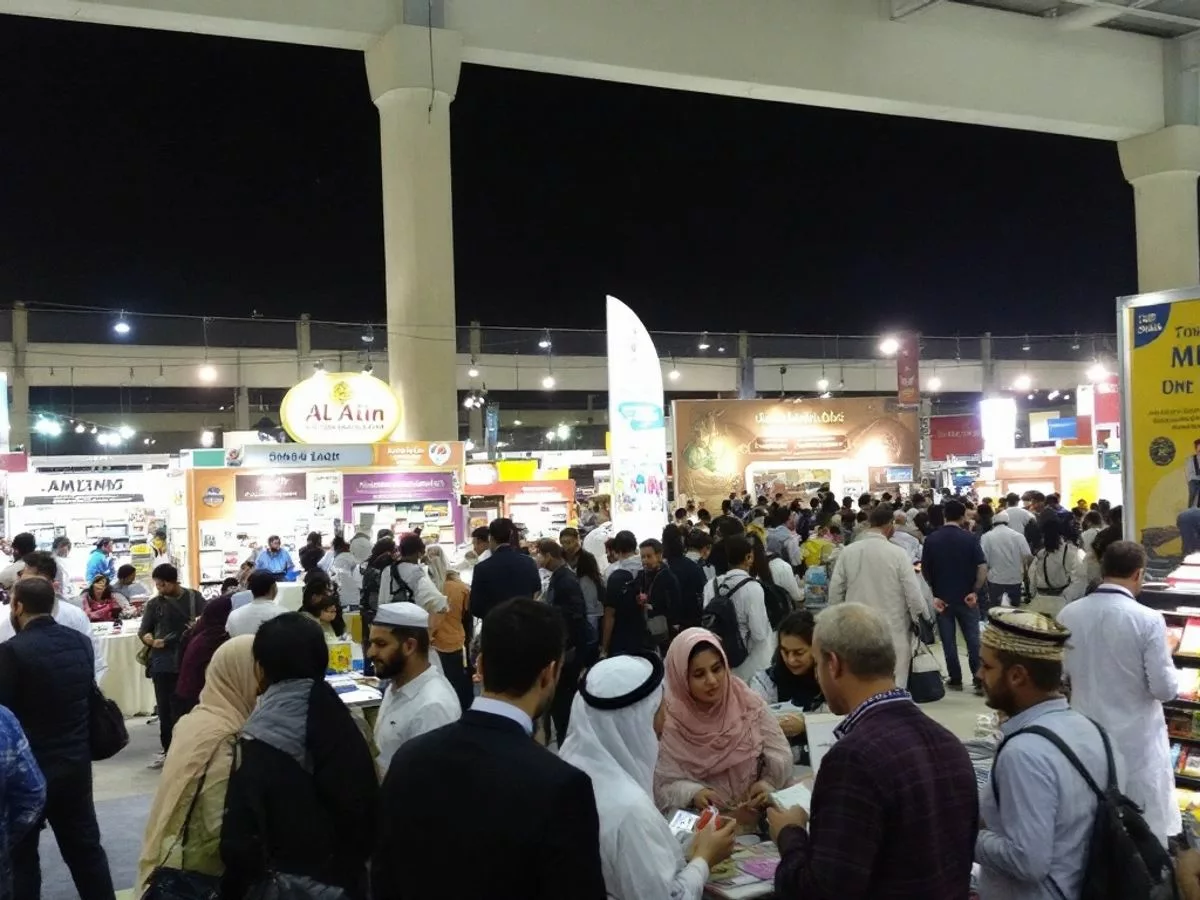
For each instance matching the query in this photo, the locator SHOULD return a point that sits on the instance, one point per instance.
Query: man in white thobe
(418, 698)
(876, 573)
(1120, 671)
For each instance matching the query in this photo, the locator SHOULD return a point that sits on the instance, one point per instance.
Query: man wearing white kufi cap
(613, 737)
(418, 698)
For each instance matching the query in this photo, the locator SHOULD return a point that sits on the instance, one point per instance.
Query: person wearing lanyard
(1120, 670)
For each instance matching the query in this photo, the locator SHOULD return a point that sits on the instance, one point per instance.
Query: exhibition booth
(128, 506)
(539, 500)
(792, 447)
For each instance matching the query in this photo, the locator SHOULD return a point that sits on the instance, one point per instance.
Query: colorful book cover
(1191, 766)
(750, 872)
(1174, 637)
(1189, 684)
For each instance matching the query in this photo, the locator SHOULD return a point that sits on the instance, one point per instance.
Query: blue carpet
(121, 825)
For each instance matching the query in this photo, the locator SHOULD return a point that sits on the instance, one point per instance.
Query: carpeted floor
(121, 825)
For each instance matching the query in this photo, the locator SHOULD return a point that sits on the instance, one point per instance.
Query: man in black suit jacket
(506, 574)
(527, 819)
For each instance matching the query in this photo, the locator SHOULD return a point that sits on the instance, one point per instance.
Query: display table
(125, 682)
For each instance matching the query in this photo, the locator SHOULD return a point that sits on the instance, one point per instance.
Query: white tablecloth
(126, 681)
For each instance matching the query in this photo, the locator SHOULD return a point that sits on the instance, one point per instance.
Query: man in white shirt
(22, 545)
(40, 564)
(876, 573)
(247, 619)
(418, 698)
(1018, 516)
(749, 604)
(1121, 671)
(1008, 556)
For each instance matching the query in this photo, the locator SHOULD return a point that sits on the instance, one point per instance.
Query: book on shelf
(1191, 762)
(1189, 645)
(1189, 684)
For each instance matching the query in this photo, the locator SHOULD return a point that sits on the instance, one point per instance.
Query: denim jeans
(968, 620)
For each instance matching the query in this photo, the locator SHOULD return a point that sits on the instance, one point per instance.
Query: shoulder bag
(166, 883)
(107, 735)
(925, 675)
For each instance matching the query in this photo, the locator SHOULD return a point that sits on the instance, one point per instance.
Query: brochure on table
(126, 506)
(290, 490)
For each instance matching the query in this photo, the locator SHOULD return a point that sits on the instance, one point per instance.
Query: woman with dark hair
(1058, 573)
(196, 651)
(983, 519)
(1110, 535)
(937, 517)
(320, 604)
(792, 679)
(99, 601)
(302, 764)
(587, 570)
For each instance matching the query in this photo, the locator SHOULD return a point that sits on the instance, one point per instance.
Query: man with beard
(526, 819)
(1039, 811)
(418, 698)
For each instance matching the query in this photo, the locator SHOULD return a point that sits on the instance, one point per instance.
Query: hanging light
(80, 428)
(103, 438)
(146, 441)
(368, 335)
(889, 346)
(93, 430)
(548, 382)
(1025, 346)
(703, 344)
(207, 438)
(1052, 395)
(550, 435)
(207, 372)
(545, 343)
(126, 432)
(368, 369)
(516, 421)
(822, 384)
(934, 384)
(121, 326)
(1075, 341)
(1097, 371)
(564, 431)
(473, 371)
(319, 367)
(48, 427)
(673, 373)
(1022, 382)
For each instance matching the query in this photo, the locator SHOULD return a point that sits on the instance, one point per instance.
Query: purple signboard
(391, 487)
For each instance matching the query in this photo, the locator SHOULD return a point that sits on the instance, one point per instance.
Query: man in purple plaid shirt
(895, 809)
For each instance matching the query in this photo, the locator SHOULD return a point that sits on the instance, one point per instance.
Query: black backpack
(1125, 861)
(720, 617)
(778, 600)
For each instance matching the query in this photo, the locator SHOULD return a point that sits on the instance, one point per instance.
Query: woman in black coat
(302, 772)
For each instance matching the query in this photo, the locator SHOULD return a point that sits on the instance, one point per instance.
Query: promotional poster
(1160, 350)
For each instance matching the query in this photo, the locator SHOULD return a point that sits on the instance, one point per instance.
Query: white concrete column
(1163, 167)
(18, 414)
(413, 76)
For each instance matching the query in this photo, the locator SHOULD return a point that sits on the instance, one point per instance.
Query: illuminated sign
(340, 408)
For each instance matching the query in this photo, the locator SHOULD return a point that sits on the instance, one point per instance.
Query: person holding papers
(721, 744)
(418, 697)
(791, 681)
(616, 718)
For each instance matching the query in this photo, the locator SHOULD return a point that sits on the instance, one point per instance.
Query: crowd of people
(675, 672)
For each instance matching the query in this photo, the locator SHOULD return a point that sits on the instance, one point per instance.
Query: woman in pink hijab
(721, 744)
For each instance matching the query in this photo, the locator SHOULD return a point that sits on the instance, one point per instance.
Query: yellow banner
(1162, 341)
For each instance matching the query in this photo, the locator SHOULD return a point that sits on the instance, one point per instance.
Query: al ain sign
(340, 408)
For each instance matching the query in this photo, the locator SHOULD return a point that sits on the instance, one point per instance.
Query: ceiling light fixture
(1022, 382)
(889, 346)
(1097, 371)
(934, 384)
(473, 371)
(703, 344)
(207, 372)
(368, 335)
(121, 326)
(545, 342)
(126, 432)
(673, 374)
(207, 438)
(368, 369)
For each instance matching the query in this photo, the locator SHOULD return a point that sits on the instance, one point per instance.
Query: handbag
(922, 629)
(107, 735)
(925, 675)
(167, 883)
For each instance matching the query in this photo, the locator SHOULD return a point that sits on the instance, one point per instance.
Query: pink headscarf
(710, 740)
